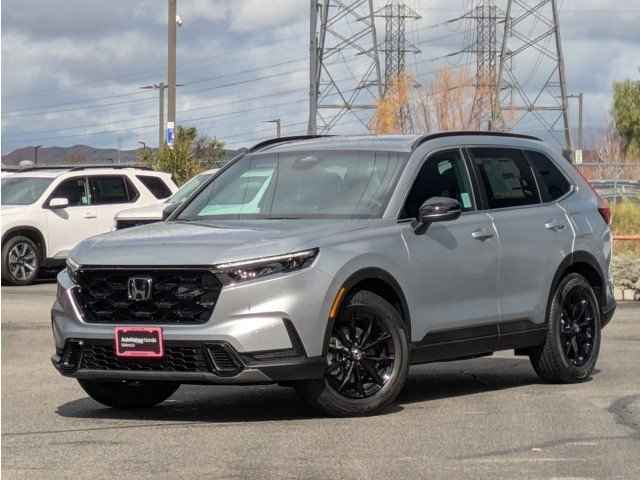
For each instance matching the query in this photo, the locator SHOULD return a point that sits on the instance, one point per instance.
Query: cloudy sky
(72, 70)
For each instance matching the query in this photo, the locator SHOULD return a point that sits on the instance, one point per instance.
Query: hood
(181, 243)
(150, 212)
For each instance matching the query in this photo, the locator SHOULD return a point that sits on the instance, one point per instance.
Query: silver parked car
(331, 264)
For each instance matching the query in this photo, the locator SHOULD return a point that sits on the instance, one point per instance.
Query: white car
(46, 211)
(132, 217)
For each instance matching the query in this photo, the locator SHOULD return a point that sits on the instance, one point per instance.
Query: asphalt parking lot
(484, 418)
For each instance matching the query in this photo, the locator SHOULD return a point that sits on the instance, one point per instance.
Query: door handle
(482, 234)
(90, 215)
(554, 225)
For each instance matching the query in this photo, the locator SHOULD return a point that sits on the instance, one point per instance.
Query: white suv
(132, 217)
(46, 211)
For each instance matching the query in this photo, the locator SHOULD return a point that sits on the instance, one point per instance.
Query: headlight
(245, 270)
(72, 270)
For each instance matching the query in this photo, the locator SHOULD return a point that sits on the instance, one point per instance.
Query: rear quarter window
(155, 185)
(553, 184)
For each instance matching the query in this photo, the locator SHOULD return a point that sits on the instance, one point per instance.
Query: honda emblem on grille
(139, 288)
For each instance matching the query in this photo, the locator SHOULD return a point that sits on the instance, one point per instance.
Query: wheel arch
(585, 264)
(378, 281)
(30, 232)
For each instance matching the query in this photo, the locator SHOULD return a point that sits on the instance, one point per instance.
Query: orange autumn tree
(389, 110)
(453, 100)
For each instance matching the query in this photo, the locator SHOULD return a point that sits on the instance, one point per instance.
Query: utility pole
(161, 87)
(171, 61)
(578, 156)
(35, 154)
(278, 126)
(532, 27)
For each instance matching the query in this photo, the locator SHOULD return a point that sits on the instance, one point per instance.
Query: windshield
(23, 190)
(188, 188)
(300, 185)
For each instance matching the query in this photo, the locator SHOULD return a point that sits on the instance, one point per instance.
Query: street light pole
(278, 126)
(35, 154)
(171, 61)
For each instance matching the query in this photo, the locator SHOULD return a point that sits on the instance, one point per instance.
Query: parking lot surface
(483, 418)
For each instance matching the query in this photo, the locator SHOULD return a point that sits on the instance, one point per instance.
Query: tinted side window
(507, 177)
(155, 185)
(442, 175)
(110, 189)
(551, 181)
(73, 190)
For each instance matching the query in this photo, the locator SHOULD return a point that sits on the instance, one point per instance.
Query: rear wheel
(571, 349)
(125, 395)
(367, 360)
(20, 261)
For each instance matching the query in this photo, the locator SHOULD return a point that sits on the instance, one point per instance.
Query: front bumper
(273, 331)
(186, 362)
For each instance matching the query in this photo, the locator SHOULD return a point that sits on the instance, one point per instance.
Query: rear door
(109, 195)
(534, 234)
(454, 265)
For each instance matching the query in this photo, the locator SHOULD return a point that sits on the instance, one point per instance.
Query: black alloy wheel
(577, 325)
(361, 354)
(570, 351)
(367, 359)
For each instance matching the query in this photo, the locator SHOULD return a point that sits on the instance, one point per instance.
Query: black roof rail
(274, 141)
(73, 168)
(460, 133)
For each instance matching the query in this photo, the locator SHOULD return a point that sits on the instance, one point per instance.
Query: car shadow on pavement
(271, 403)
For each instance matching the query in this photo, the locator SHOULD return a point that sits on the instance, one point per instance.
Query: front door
(454, 264)
(67, 226)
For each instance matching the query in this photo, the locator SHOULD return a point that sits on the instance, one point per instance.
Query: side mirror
(169, 209)
(58, 202)
(436, 209)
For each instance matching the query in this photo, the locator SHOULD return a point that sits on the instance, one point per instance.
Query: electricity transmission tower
(343, 43)
(396, 46)
(485, 50)
(532, 65)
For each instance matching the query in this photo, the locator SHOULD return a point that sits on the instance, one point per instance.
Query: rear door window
(155, 185)
(507, 177)
(110, 189)
(553, 184)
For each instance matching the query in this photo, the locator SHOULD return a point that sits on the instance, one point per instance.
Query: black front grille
(177, 296)
(177, 358)
(120, 224)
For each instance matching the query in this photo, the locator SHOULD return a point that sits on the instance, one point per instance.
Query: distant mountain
(78, 154)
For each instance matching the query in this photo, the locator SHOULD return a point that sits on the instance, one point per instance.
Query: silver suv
(332, 264)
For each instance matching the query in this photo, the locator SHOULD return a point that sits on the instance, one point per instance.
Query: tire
(386, 358)
(20, 261)
(128, 395)
(562, 359)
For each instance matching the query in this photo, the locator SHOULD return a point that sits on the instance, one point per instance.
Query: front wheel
(126, 395)
(20, 261)
(571, 349)
(367, 360)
